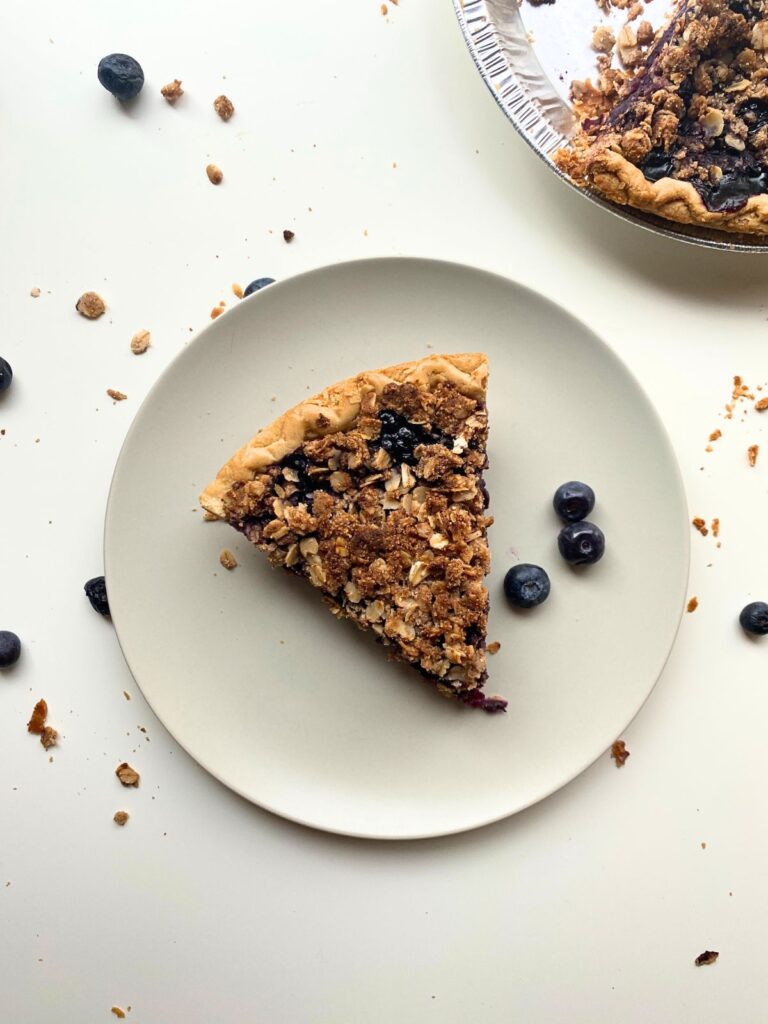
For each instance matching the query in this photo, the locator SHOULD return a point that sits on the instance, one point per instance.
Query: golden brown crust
(623, 183)
(336, 408)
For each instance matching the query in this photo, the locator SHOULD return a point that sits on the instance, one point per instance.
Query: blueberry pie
(373, 492)
(686, 136)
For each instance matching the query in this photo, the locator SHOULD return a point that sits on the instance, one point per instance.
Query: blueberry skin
(754, 618)
(256, 286)
(526, 585)
(96, 592)
(573, 501)
(581, 543)
(10, 648)
(121, 75)
(6, 375)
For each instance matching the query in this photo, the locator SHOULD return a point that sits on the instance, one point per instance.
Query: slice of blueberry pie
(686, 136)
(373, 492)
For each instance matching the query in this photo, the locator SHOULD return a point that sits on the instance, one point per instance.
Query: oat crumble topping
(752, 453)
(224, 107)
(692, 605)
(700, 524)
(215, 174)
(140, 342)
(227, 559)
(128, 776)
(91, 305)
(172, 91)
(121, 817)
(116, 396)
(619, 753)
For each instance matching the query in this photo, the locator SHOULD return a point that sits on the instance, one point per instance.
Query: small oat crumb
(715, 527)
(91, 305)
(699, 524)
(216, 311)
(120, 817)
(752, 453)
(126, 695)
(116, 396)
(709, 448)
(36, 724)
(761, 404)
(48, 737)
(288, 235)
(140, 342)
(35, 293)
(127, 775)
(118, 1012)
(383, 9)
(172, 91)
(707, 957)
(215, 174)
(603, 40)
(715, 435)
(692, 605)
(619, 752)
(237, 290)
(227, 559)
(224, 107)
(703, 846)
(493, 648)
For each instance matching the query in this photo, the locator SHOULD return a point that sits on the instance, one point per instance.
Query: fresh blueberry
(256, 286)
(6, 374)
(754, 618)
(581, 543)
(10, 648)
(573, 501)
(526, 585)
(121, 75)
(96, 592)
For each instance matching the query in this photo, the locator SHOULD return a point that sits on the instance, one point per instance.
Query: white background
(588, 908)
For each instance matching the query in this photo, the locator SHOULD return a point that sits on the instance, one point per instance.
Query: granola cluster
(388, 520)
(695, 109)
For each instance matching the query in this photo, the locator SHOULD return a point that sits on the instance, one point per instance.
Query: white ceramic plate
(304, 715)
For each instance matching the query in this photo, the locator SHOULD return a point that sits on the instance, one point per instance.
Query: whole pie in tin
(373, 492)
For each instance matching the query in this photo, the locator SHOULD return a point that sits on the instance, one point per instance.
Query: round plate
(305, 715)
(528, 56)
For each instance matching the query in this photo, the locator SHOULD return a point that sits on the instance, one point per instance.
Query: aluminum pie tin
(528, 56)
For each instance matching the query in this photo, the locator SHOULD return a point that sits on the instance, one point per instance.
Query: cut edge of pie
(624, 127)
(372, 490)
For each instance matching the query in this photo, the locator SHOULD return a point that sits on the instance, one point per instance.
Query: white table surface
(587, 908)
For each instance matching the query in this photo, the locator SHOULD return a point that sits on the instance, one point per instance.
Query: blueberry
(581, 543)
(10, 648)
(96, 592)
(754, 618)
(121, 75)
(256, 286)
(526, 585)
(6, 375)
(573, 501)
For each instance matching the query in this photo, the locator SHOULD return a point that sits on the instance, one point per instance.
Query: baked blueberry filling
(399, 437)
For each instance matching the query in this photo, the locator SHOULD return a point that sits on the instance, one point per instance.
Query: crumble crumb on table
(215, 174)
(172, 91)
(116, 396)
(619, 753)
(224, 107)
(140, 342)
(699, 524)
(692, 605)
(752, 453)
(707, 957)
(121, 817)
(35, 293)
(227, 559)
(91, 305)
(128, 776)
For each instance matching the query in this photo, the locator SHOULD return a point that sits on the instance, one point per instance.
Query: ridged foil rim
(503, 54)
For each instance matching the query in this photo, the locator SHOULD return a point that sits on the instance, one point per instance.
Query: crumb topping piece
(121, 817)
(707, 957)
(752, 453)
(128, 776)
(215, 174)
(619, 753)
(227, 559)
(91, 305)
(172, 91)
(36, 724)
(116, 396)
(224, 107)
(692, 605)
(140, 342)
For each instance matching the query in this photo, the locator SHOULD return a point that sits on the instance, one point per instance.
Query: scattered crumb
(365, 232)
(117, 396)
(126, 695)
(709, 448)
(227, 559)
(383, 9)
(215, 174)
(715, 527)
(703, 846)
(121, 817)
(140, 342)
(603, 40)
(48, 737)
(118, 1012)
(237, 290)
(172, 91)
(35, 293)
(36, 724)
(619, 752)
(715, 435)
(692, 605)
(91, 305)
(707, 957)
(699, 524)
(224, 107)
(127, 775)
(216, 311)
(761, 405)
(288, 235)
(209, 517)
(752, 453)
(740, 389)
(494, 647)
